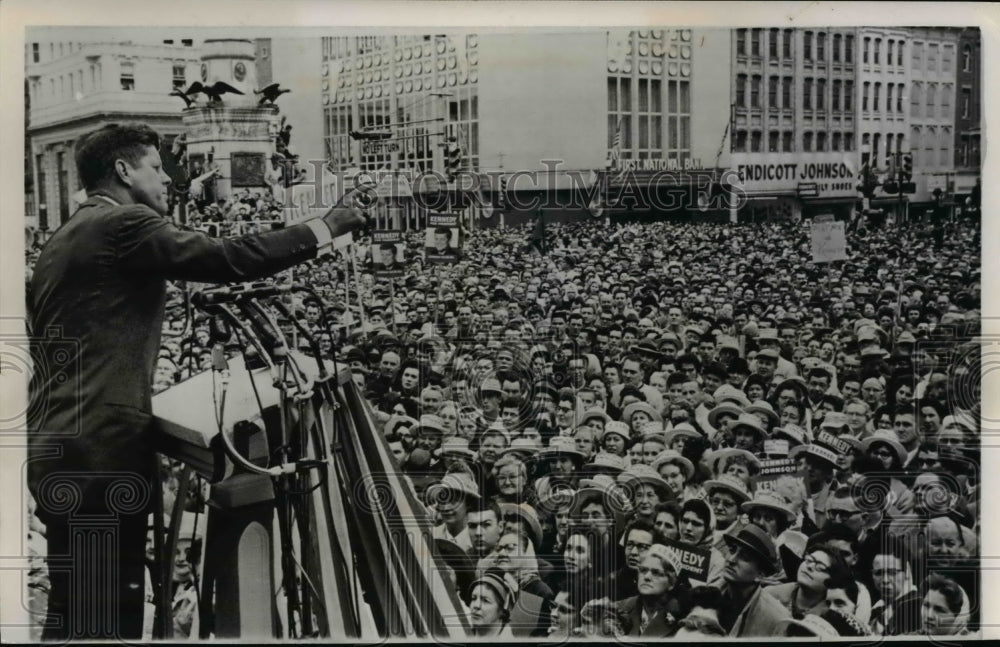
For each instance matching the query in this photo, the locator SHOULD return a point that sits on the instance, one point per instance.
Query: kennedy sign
(827, 175)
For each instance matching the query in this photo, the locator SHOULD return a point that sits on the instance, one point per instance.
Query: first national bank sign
(824, 175)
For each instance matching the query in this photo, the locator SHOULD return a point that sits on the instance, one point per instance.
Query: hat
(453, 482)
(817, 451)
(769, 501)
(602, 488)
(729, 393)
(523, 448)
(667, 556)
(682, 429)
(770, 353)
(754, 539)
(749, 421)
(729, 483)
(716, 458)
(886, 437)
(671, 340)
(724, 408)
(795, 434)
(628, 411)
(727, 341)
(561, 446)
(693, 330)
(594, 413)
(604, 463)
(616, 427)
(504, 585)
(455, 447)
(768, 334)
(834, 420)
(430, 421)
(669, 456)
(646, 348)
(645, 474)
(527, 514)
(831, 624)
(874, 351)
(763, 406)
(491, 385)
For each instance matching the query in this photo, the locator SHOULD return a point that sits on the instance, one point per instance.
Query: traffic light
(452, 158)
(907, 166)
(890, 186)
(502, 198)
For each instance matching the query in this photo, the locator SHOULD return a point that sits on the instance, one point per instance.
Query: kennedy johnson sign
(832, 174)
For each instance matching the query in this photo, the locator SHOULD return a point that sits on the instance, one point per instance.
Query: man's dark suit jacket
(96, 307)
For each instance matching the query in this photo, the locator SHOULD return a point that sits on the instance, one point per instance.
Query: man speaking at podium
(96, 306)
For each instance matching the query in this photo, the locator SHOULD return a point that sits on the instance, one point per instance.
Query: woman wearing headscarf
(696, 529)
(945, 608)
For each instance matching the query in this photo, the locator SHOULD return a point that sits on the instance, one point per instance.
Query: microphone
(217, 296)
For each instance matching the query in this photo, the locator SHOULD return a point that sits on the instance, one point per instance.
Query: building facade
(933, 63)
(968, 113)
(76, 87)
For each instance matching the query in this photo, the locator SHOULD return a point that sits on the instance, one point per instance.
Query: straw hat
(769, 501)
(454, 482)
(763, 406)
(645, 475)
(721, 409)
(888, 438)
(455, 447)
(718, 457)
(729, 483)
(618, 428)
(669, 456)
(604, 463)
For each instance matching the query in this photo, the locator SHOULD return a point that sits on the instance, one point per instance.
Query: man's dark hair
(488, 505)
(97, 152)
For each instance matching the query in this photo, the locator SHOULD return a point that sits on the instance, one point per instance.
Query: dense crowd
(669, 430)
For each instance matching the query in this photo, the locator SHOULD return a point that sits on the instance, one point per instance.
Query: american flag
(616, 144)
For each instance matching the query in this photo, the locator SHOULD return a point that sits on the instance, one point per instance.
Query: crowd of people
(667, 430)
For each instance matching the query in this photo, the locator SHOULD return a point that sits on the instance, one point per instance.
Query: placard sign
(443, 239)
(829, 243)
(388, 253)
(773, 470)
(838, 445)
(694, 561)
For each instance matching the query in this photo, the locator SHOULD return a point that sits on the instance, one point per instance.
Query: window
(931, 99)
(916, 95)
(772, 43)
(835, 99)
(35, 55)
(128, 75)
(807, 141)
(178, 73)
(888, 52)
(755, 42)
(168, 41)
(821, 47)
(932, 57)
(878, 51)
(821, 141)
(966, 102)
(786, 93)
(835, 142)
(755, 91)
(786, 141)
(772, 92)
(836, 48)
(888, 97)
(849, 96)
(849, 48)
(966, 57)
(772, 141)
(741, 141)
(875, 145)
(864, 97)
(741, 91)
(889, 161)
(807, 89)
(786, 44)
(741, 42)
(918, 56)
(875, 99)
(848, 141)
(187, 42)
(946, 56)
(821, 95)
(807, 46)
(864, 53)
(899, 98)
(899, 53)
(899, 143)
(755, 141)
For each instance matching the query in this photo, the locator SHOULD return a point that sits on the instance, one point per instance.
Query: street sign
(379, 148)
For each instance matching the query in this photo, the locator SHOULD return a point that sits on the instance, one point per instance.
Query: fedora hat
(455, 447)
(669, 456)
(754, 539)
(431, 422)
(491, 385)
(729, 483)
(769, 501)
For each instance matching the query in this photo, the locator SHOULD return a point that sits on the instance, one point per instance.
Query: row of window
(893, 144)
(873, 55)
(934, 52)
(924, 100)
(784, 141)
(891, 90)
(815, 93)
(779, 45)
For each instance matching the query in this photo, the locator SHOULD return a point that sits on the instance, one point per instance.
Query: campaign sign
(829, 243)
(388, 253)
(694, 561)
(773, 470)
(838, 445)
(443, 239)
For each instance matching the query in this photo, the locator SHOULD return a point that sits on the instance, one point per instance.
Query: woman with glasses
(512, 484)
(654, 611)
(807, 594)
